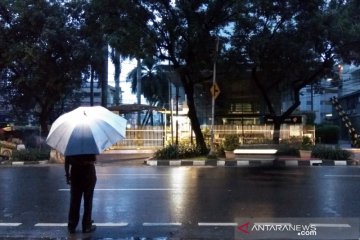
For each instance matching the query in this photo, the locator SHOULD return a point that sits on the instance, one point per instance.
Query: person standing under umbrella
(80, 135)
(81, 175)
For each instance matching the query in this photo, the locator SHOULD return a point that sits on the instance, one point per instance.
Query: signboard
(288, 120)
(215, 90)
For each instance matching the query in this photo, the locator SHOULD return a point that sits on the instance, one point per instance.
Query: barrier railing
(157, 136)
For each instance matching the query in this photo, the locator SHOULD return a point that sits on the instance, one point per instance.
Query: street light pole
(212, 148)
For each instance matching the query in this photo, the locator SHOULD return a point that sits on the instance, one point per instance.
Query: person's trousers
(82, 187)
(75, 204)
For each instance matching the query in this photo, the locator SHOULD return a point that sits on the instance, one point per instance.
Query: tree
(184, 33)
(120, 25)
(287, 45)
(42, 55)
(116, 60)
(345, 30)
(154, 82)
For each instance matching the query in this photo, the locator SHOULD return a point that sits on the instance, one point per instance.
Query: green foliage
(154, 82)
(287, 150)
(180, 151)
(330, 153)
(328, 134)
(306, 143)
(231, 142)
(42, 56)
(30, 155)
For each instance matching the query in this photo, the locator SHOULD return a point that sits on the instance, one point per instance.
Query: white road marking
(51, 225)
(350, 176)
(110, 224)
(147, 224)
(273, 224)
(132, 174)
(10, 224)
(331, 225)
(218, 224)
(125, 189)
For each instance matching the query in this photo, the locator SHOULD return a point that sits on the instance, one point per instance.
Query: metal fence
(157, 136)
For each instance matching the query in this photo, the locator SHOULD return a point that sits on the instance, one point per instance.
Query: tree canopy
(42, 55)
(49, 47)
(288, 45)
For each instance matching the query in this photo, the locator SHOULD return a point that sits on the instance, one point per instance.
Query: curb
(241, 163)
(20, 163)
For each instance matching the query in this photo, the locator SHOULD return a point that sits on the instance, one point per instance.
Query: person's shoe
(90, 228)
(71, 230)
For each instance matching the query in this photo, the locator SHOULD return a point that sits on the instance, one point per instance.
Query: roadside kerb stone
(244, 163)
(20, 163)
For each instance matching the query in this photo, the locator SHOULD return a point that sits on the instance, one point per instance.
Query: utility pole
(214, 92)
(138, 89)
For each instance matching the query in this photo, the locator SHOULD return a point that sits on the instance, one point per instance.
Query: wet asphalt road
(141, 202)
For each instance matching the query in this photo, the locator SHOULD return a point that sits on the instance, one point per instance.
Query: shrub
(328, 134)
(173, 151)
(287, 150)
(330, 153)
(30, 154)
(231, 142)
(306, 143)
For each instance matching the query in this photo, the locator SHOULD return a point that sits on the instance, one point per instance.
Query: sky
(127, 66)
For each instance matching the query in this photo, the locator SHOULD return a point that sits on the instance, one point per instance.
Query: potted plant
(231, 142)
(306, 147)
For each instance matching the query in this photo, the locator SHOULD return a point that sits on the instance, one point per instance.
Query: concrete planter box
(305, 153)
(229, 155)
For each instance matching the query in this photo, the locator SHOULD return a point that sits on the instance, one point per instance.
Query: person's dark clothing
(82, 178)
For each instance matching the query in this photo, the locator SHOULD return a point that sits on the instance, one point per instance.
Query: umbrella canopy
(86, 130)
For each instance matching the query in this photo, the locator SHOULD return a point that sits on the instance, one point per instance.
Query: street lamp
(212, 148)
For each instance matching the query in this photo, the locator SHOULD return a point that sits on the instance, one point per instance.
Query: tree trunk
(277, 126)
(104, 77)
(115, 57)
(92, 76)
(43, 120)
(44, 130)
(138, 89)
(189, 91)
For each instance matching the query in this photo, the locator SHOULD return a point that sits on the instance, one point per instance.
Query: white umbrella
(86, 130)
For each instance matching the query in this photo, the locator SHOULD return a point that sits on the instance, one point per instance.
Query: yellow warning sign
(215, 90)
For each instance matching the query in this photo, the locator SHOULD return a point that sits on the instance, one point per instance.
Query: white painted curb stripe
(161, 224)
(220, 163)
(340, 163)
(243, 163)
(291, 163)
(175, 163)
(219, 224)
(152, 162)
(17, 163)
(10, 224)
(199, 163)
(315, 161)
